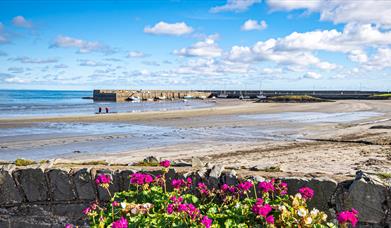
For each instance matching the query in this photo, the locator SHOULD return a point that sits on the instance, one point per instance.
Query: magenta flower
(270, 219)
(120, 223)
(306, 192)
(68, 226)
(245, 186)
(170, 208)
(266, 186)
(207, 222)
(177, 183)
(261, 209)
(283, 188)
(348, 217)
(141, 178)
(115, 204)
(103, 179)
(165, 163)
(87, 210)
(203, 189)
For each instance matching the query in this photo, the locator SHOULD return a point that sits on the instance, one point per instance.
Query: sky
(195, 44)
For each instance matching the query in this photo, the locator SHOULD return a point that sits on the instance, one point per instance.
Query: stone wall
(33, 197)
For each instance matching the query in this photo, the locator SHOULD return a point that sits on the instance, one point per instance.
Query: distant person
(107, 110)
(100, 109)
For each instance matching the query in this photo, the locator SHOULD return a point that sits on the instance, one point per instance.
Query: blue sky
(179, 44)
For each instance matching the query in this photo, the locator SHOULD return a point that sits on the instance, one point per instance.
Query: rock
(196, 162)
(125, 179)
(182, 163)
(9, 193)
(151, 160)
(202, 173)
(214, 175)
(230, 178)
(72, 211)
(60, 185)
(103, 194)
(33, 183)
(369, 196)
(324, 189)
(266, 168)
(84, 185)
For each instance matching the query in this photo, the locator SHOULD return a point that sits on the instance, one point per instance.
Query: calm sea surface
(25, 103)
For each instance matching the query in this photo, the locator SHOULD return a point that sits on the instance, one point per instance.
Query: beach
(331, 138)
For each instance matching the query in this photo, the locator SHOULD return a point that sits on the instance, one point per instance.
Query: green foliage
(148, 204)
(24, 162)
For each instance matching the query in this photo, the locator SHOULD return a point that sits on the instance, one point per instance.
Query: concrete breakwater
(124, 95)
(53, 197)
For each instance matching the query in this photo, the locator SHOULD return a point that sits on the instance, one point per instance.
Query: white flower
(123, 205)
(302, 211)
(314, 212)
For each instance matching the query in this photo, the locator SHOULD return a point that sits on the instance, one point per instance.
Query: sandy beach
(333, 138)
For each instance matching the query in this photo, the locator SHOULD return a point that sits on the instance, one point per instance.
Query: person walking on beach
(100, 110)
(107, 110)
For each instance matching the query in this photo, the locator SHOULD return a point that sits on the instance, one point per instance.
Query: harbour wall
(54, 197)
(123, 95)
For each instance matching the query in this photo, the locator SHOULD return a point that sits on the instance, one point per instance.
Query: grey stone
(370, 197)
(33, 183)
(105, 194)
(230, 178)
(151, 160)
(324, 188)
(214, 175)
(72, 211)
(85, 187)
(181, 163)
(60, 185)
(196, 162)
(9, 194)
(125, 179)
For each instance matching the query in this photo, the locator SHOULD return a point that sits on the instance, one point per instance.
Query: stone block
(84, 184)
(60, 185)
(33, 183)
(9, 193)
(103, 194)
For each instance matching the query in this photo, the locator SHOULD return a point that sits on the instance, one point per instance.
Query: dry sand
(324, 148)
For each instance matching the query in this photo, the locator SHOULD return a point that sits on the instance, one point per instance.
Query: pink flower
(245, 186)
(165, 163)
(207, 222)
(170, 208)
(203, 189)
(120, 223)
(189, 182)
(306, 192)
(87, 210)
(140, 178)
(266, 186)
(115, 204)
(348, 217)
(262, 210)
(177, 183)
(103, 179)
(283, 188)
(68, 226)
(270, 219)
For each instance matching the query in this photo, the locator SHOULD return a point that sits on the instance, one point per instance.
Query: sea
(30, 103)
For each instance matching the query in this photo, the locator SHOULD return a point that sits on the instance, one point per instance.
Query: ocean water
(27, 103)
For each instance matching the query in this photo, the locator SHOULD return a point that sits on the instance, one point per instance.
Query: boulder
(230, 178)
(369, 196)
(9, 193)
(151, 160)
(196, 162)
(324, 188)
(181, 163)
(103, 194)
(33, 184)
(214, 175)
(84, 185)
(60, 185)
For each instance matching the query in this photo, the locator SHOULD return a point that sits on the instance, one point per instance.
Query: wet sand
(298, 138)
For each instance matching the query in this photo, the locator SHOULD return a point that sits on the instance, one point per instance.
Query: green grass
(143, 163)
(296, 98)
(272, 169)
(382, 95)
(93, 163)
(384, 175)
(24, 162)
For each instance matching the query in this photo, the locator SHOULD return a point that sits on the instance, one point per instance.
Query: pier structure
(124, 95)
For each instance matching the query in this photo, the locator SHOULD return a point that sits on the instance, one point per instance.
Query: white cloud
(164, 28)
(32, 60)
(235, 6)
(341, 11)
(20, 21)
(312, 75)
(17, 80)
(205, 48)
(254, 25)
(358, 56)
(136, 54)
(91, 63)
(294, 4)
(83, 46)
(380, 60)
